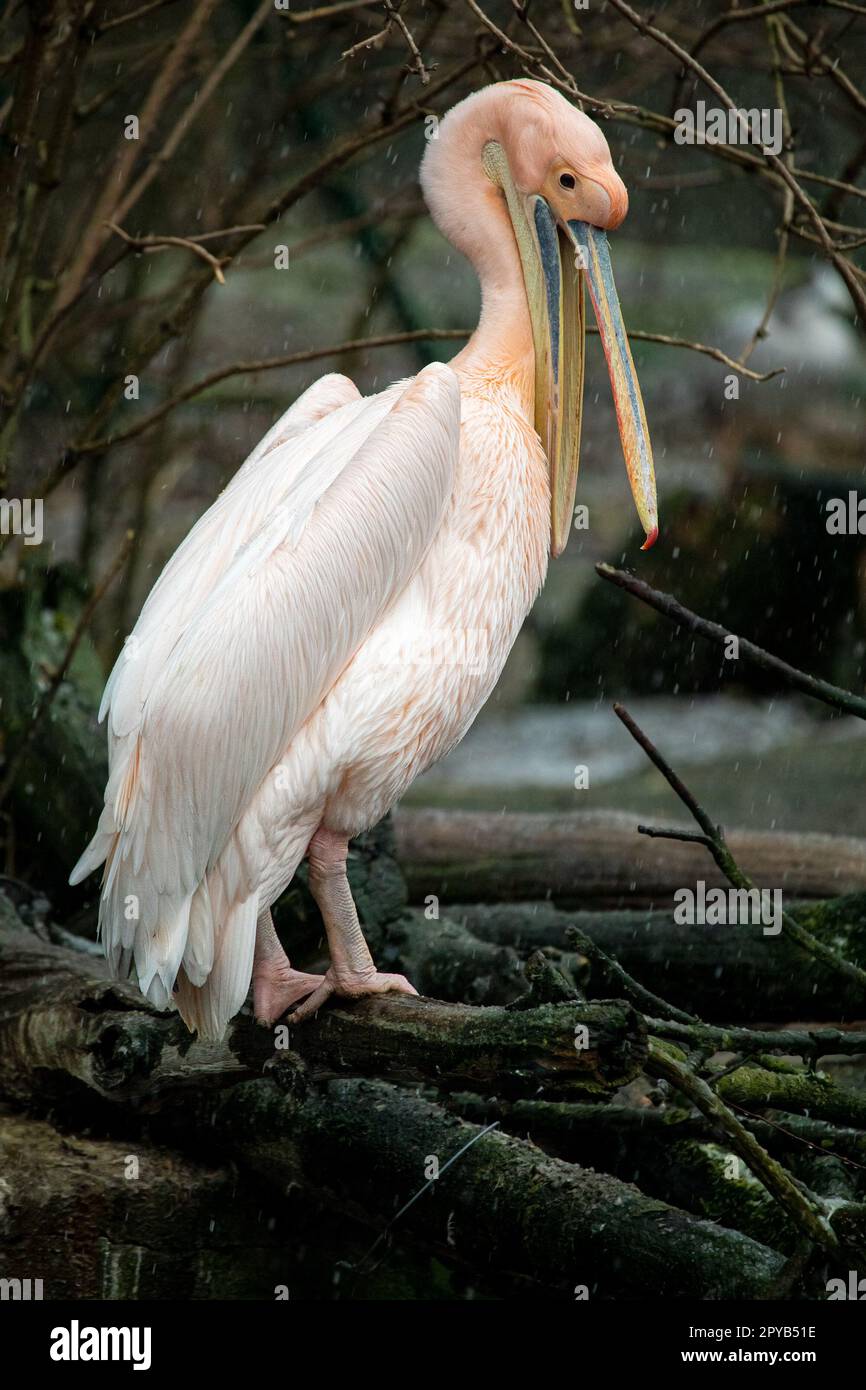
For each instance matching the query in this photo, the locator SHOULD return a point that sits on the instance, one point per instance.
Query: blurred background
(281, 144)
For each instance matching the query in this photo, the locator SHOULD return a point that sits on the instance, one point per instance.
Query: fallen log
(513, 1052)
(717, 972)
(359, 1145)
(127, 1219)
(673, 1154)
(502, 1205)
(66, 1030)
(597, 859)
(121, 1219)
(808, 1093)
(444, 960)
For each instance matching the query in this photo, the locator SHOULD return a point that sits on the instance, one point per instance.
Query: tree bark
(720, 973)
(359, 1145)
(504, 1204)
(121, 1218)
(62, 1021)
(599, 860)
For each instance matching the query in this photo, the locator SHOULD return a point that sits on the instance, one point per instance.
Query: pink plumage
(334, 622)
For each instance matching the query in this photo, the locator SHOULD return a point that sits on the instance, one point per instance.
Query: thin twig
(806, 1211)
(109, 202)
(831, 67)
(830, 1134)
(639, 336)
(107, 24)
(714, 840)
(198, 104)
(671, 607)
(418, 65)
(161, 243)
(325, 11)
(844, 267)
(787, 202)
(640, 996)
(370, 44)
(291, 359)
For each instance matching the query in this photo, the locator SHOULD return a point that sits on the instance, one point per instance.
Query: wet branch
(162, 243)
(671, 607)
(713, 839)
(641, 997)
(808, 1211)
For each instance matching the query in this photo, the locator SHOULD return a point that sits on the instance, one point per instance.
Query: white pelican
(334, 622)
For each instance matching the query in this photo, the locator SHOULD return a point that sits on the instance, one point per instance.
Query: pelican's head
(551, 167)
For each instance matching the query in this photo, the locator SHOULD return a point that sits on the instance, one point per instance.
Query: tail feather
(192, 951)
(206, 1009)
(198, 957)
(95, 854)
(98, 850)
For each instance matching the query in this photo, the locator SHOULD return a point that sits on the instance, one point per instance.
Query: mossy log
(62, 1022)
(717, 972)
(807, 1093)
(357, 1145)
(671, 1153)
(680, 1157)
(503, 1204)
(444, 960)
(599, 860)
(550, 1048)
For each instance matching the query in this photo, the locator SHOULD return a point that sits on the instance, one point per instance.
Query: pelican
(332, 625)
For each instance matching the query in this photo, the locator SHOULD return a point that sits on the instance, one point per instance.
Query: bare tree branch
(109, 203)
(162, 243)
(714, 841)
(671, 607)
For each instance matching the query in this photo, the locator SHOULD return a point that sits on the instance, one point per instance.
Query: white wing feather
(258, 634)
(203, 557)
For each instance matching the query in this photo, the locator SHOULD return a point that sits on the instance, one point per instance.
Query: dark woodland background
(262, 127)
(150, 333)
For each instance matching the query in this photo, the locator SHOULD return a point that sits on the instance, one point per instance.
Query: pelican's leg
(351, 972)
(276, 986)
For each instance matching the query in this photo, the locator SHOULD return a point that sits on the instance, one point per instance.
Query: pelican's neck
(501, 346)
(472, 213)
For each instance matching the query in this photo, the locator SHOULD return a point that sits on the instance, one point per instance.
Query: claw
(273, 994)
(350, 987)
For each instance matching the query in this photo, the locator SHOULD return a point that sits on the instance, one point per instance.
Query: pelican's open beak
(555, 259)
(593, 257)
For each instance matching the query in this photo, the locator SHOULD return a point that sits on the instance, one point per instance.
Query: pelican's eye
(566, 180)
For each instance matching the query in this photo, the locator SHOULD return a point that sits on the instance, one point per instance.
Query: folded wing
(234, 651)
